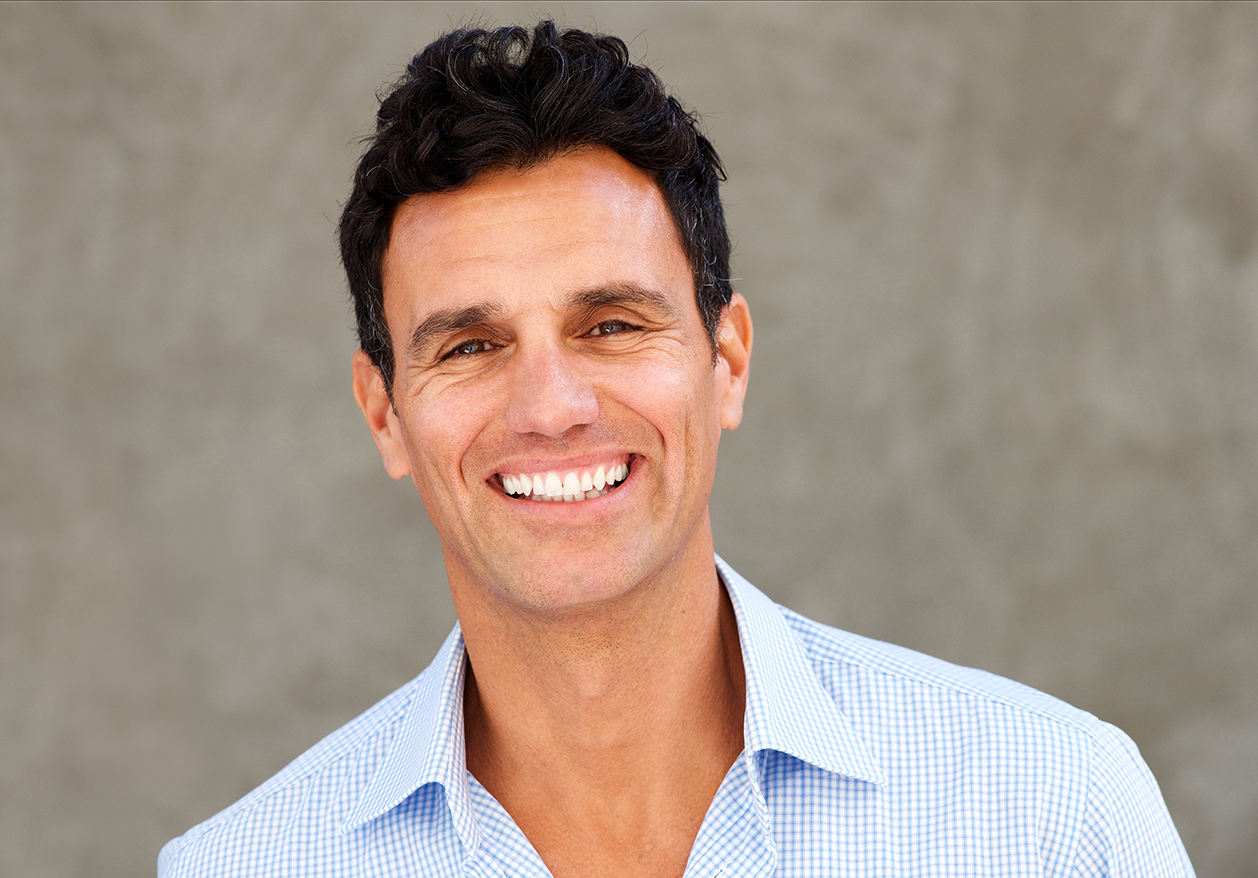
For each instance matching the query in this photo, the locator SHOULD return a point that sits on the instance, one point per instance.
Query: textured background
(1004, 265)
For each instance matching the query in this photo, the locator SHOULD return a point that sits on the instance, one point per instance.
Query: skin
(546, 320)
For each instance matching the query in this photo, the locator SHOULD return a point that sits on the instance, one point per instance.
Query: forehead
(574, 221)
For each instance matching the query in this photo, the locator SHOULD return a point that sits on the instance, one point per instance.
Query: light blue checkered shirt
(861, 759)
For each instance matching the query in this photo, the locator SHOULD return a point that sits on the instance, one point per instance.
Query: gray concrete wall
(1003, 261)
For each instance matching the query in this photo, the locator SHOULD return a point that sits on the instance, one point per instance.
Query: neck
(619, 719)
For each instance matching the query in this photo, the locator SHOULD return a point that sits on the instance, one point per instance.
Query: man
(550, 351)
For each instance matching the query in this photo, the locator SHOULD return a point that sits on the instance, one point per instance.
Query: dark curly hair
(478, 100)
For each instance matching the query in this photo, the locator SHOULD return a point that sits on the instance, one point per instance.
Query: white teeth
(569, 487)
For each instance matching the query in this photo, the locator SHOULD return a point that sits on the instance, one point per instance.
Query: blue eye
(468, 348)
(610, 327)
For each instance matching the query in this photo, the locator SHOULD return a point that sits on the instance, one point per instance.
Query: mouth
(567, 486)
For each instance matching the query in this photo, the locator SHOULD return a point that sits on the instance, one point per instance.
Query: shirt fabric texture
(860, 759)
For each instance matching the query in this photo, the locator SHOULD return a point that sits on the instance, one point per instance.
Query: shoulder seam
(1071, 717)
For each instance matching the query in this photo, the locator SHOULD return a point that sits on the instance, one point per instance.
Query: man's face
(548, 342)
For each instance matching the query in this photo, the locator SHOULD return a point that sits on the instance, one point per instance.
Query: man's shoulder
(940, 731)
(907, 708)
(327, 778)
(881, 685)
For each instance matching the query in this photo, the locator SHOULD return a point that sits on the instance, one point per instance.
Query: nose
(549, 395)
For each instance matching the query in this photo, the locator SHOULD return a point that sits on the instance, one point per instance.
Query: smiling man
(558, 405)
(550, 351)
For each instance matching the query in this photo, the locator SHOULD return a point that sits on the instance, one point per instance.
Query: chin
(579, 589)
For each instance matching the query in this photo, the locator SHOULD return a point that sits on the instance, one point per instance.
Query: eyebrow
(450, 320)
(622, 294)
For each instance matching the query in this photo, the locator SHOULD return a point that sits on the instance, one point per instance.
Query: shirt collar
(426, 748)
(787, 710)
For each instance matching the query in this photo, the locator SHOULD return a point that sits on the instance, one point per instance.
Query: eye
(611, 327)
(468, 348)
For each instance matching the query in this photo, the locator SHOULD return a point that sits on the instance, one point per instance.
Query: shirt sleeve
(1127, 832)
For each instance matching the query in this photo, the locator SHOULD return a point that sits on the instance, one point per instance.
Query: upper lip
(564, 464)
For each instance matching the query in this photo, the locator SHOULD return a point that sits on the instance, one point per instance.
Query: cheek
(445, 429)
(678, 403)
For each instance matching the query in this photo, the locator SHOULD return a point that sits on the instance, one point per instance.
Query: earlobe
(733, 351)
(381, 419)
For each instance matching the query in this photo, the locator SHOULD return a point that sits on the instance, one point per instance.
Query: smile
(568, 487)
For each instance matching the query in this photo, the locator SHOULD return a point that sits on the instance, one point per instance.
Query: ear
(383, 421)
(733, 360)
